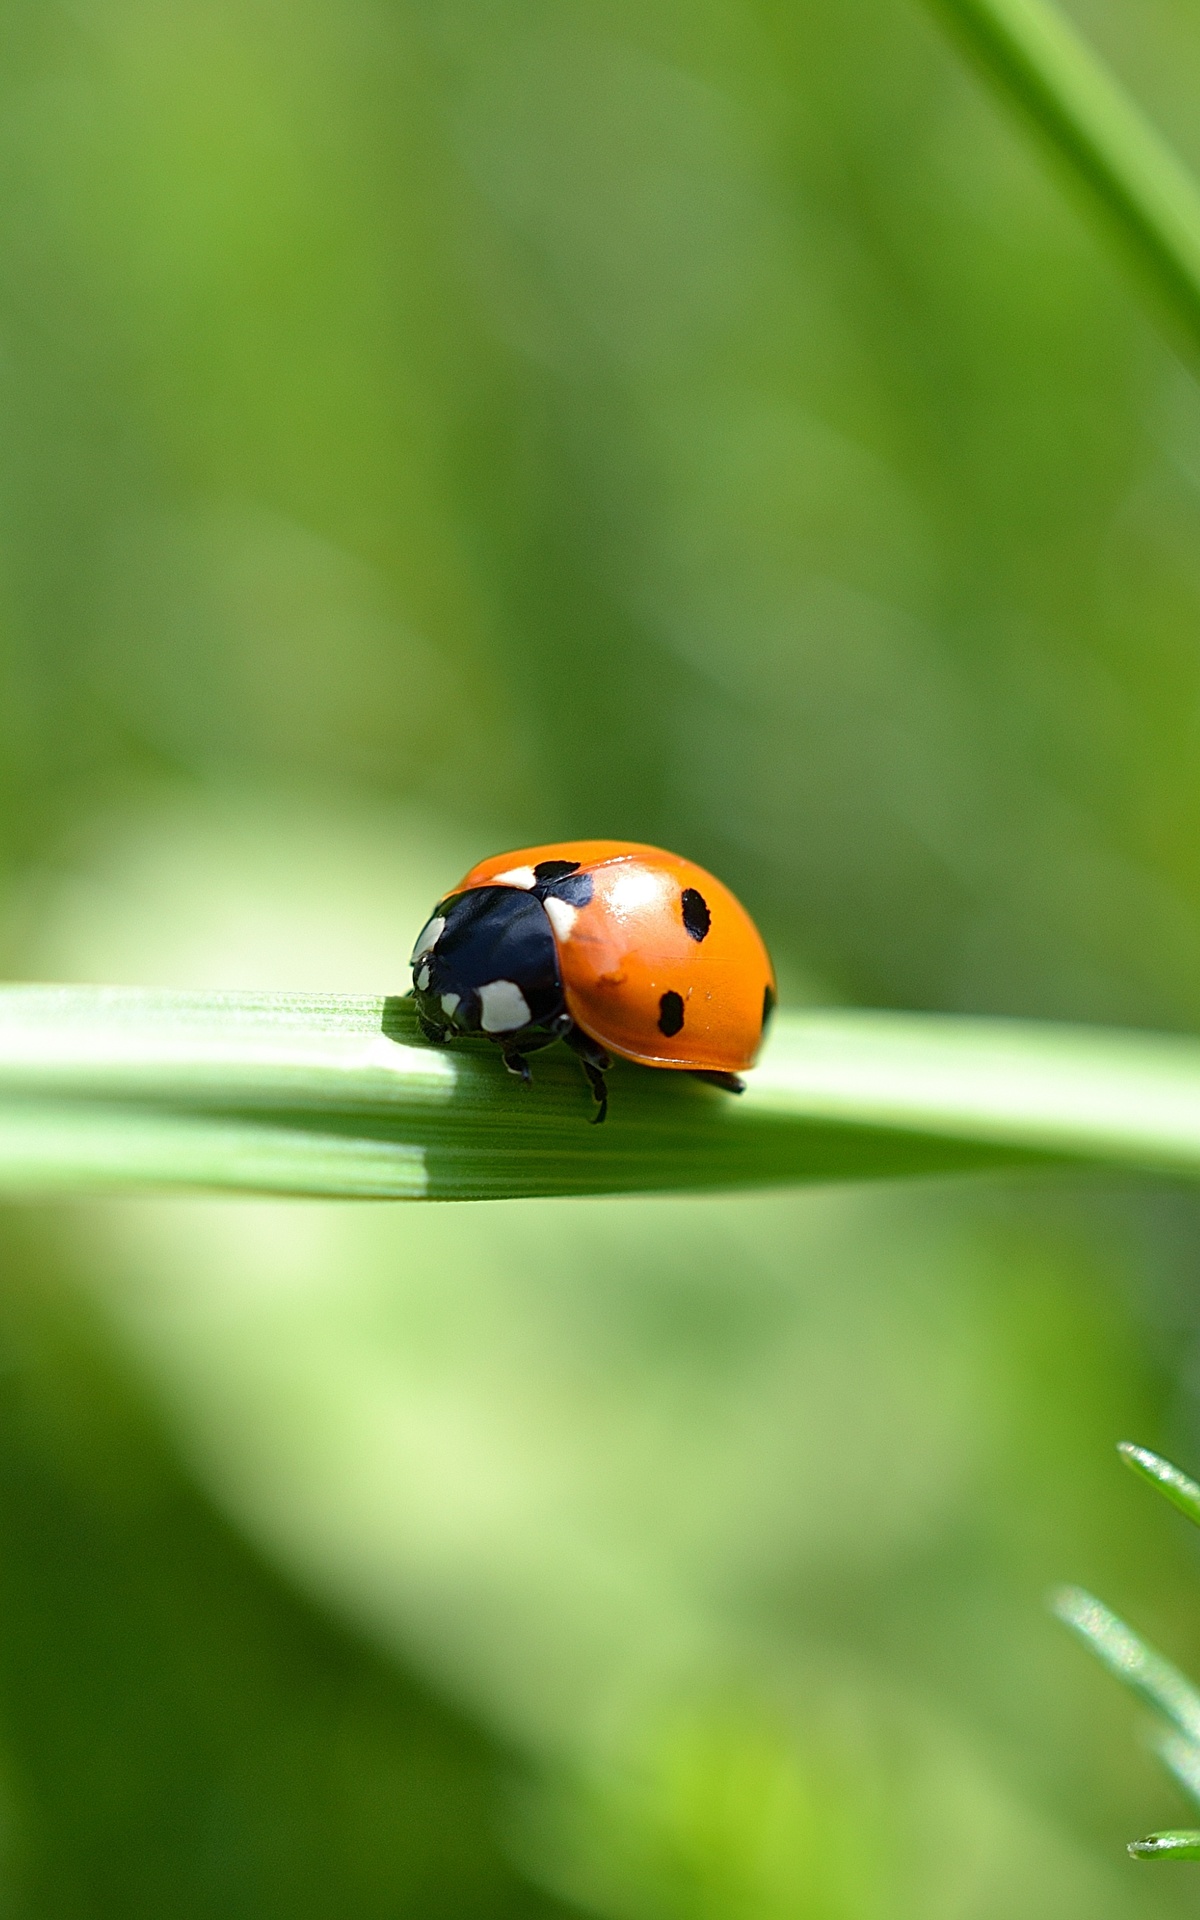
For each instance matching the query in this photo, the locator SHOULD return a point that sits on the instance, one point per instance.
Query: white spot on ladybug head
(502, 1007)
(561, 915)
(515, 877)
(428, 938)
(450, 1004)
(422, 979)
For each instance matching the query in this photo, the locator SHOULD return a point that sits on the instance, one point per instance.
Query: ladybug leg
(436, 1034)
(518, 1065)
(728, 1082)
(595, 1063)
(599, 1087)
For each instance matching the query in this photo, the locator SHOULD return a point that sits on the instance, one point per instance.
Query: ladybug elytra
(609, 946)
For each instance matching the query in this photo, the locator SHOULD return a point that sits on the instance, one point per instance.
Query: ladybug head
(486, 963)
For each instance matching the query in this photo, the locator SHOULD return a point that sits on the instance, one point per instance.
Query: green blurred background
(430, 428)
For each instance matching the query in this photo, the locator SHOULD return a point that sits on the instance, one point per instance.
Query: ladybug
(607, 945)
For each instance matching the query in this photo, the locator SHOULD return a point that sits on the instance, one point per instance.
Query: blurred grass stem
(1103, 136)
(1142, 1669)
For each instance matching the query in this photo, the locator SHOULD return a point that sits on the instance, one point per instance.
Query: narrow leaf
(327, 1095)
(1136, 1664)
(1183, 1760)
(1174, 1845)
(1181, 1491)
(1106, 141)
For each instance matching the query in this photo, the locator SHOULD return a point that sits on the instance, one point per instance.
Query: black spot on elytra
(554, 869)
(769, 1004)
(670, 1014)
(696, 917)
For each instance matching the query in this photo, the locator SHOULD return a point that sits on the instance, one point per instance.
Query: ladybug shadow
(666, 1132)
(552, 1069)
(662, 1130)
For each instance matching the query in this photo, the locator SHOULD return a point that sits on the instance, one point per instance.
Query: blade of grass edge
(1105, 139)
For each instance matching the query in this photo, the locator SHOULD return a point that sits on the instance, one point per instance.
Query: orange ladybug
(610, 946)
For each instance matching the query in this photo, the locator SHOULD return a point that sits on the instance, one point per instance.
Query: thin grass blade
(1106, 141)
(1177, 1844)
(1182, 1758)
(1175, 1485)
(1136, 1664)
(103, 1087)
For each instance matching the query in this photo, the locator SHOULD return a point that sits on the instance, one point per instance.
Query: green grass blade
(1137, 1665)
(320, 1094)
(1173, 1845)
(1104, 138)
(1181, 1491)
(1182, 1758)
